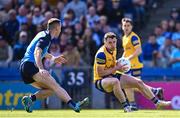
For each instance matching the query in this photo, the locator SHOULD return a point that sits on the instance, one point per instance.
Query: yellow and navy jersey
(103, 58)
(130, 43)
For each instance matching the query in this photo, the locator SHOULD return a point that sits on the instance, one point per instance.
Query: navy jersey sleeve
(42, 43)
(101, 58)
(134, 40)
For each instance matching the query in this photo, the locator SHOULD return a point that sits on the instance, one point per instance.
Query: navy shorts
(28, 70)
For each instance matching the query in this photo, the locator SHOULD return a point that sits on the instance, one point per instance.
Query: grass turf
(90, 114)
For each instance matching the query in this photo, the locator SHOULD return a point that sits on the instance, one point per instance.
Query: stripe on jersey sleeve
(101, 58)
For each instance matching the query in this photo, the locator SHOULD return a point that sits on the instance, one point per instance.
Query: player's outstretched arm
(59, 59)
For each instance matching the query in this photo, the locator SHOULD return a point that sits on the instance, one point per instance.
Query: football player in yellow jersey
(106, 80)
(133, 51)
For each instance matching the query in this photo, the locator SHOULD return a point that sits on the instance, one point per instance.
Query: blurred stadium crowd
(84, 22)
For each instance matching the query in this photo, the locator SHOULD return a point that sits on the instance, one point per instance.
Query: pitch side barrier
(79, 84)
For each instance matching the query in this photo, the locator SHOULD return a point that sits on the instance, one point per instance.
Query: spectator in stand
(45, 6)
(165, 26)
(22, 12)
(39, 28)
(128, 7)
(63, 40)
(176, 34)
(31, 26)
(92, 16)
(60, 7)
(174, 14)
(78, 6)
(104, 24)
(72, 16)
(48, 15)
(67, 21)
(101, 8)
(2, 31)
(90, 3)
(159, 35)
(27, 3)
(165, 52)
(116, 13)
(150, 50)
(5, 6)
(171, 25)
(56, 13)
(98, 33)
(6, 52)
(78, 30)
(72, 55)
(139, 16)
(70, 34)
(38, 18)
(23, 27)
(84, 53)
(11, 26)
(83, 22)
(20, 46)
(175, 56)
(90, 43)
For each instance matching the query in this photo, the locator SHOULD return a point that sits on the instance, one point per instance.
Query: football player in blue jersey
(33, 72)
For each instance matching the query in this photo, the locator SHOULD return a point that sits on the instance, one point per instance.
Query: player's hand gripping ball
(125, 62)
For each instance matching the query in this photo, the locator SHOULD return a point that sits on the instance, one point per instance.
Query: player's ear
(104, 40)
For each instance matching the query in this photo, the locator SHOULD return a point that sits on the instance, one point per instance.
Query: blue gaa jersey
(41, 40)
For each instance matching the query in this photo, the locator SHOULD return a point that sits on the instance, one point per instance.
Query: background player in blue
(33, 72)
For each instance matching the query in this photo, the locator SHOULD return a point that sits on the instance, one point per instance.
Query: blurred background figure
(11, 26)
(6, 52)
(55, 51)
(175, 56)
(72, 55)
(150, 51)
(20, 46)
(84, 52)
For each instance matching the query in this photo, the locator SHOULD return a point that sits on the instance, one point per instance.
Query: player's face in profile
(110, 43)
(127, 27)
(57, 30)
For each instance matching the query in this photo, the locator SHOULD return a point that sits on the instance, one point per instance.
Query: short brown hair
(109, 35)
(127, 20)
(52, 22)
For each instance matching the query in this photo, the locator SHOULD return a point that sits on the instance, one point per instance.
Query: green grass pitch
(90, 114)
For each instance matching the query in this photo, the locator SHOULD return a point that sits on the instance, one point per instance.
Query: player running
(33, 72)
(106, 80)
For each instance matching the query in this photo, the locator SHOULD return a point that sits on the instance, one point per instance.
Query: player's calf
(158, 92)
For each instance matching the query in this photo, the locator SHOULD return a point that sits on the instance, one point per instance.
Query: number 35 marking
(76, 79)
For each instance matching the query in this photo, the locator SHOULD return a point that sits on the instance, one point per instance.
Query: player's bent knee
(115, 81)
(140, 84)
(49, 92)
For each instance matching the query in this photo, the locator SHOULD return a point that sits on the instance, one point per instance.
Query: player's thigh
(48, 80)
(39, 85)
(128, 81)
(108, 83)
